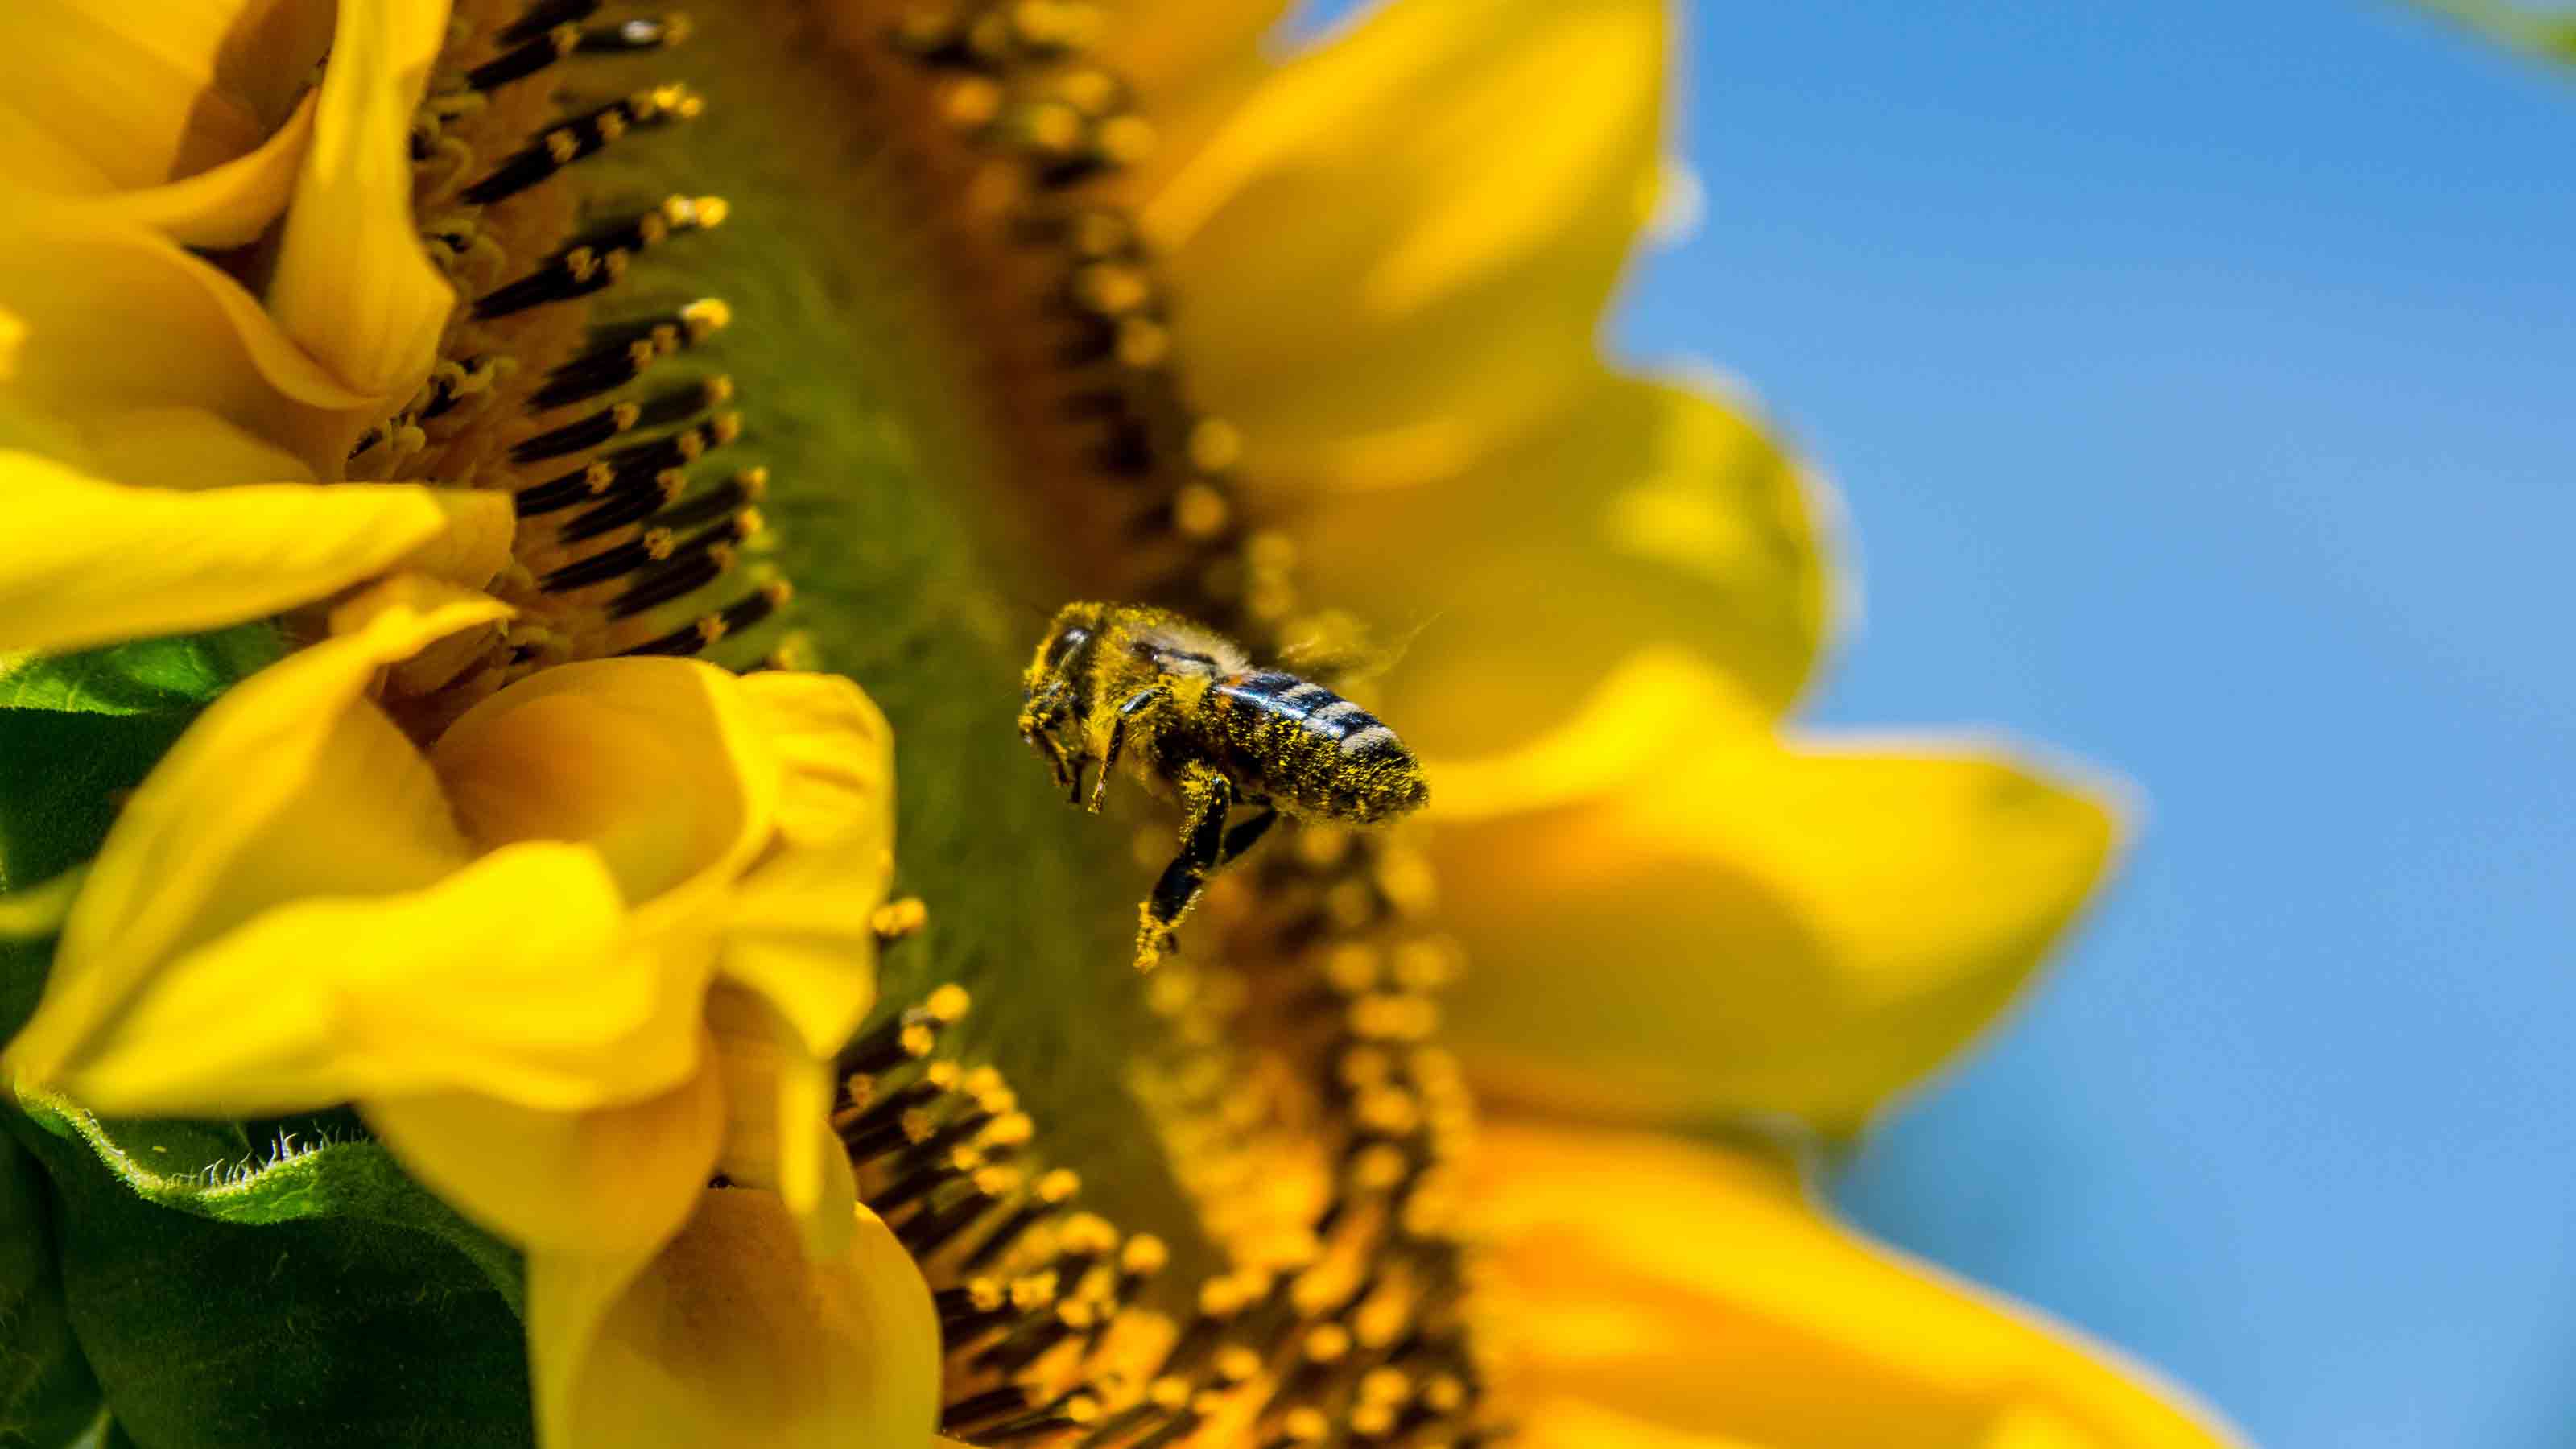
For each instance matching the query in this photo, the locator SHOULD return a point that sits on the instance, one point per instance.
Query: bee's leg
(1054, 756)
(1246, 835)
(1037, 725)
(1135, 704)
(1205, 796)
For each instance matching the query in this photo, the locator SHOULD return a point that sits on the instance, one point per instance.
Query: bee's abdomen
(1312, 751)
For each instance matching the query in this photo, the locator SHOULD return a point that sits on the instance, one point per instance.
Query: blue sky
(2198, 378)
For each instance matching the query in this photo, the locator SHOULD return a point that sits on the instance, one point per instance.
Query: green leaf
(231, 1293)
(79, 730)
(29, 922)
(47, 1394)
(174, 675)
(22, 981)
(220, 1170)
(61, 778)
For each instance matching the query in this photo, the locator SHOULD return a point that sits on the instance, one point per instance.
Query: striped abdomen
(1311, 751)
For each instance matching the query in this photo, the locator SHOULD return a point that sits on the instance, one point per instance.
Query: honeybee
(1197, 723)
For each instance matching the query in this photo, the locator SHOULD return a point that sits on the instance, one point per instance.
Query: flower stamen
(618, 353)
(1050, 1321)
(581, 137)
(616, 506)
(710, 629)
(525, 58)
(663, 409)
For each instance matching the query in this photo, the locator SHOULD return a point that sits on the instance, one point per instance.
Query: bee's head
(1051, 692)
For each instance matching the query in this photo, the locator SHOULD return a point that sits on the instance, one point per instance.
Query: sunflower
(859, 335)
(2533, 28)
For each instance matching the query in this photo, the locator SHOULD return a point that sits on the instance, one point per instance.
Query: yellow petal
(1398, 247)
(473, 546)
(1657, 514)
(656, 763)
(837, 754)
(608, 1180)
(105, 562)
(223, 206)
(1676, 913)
(730, 1336)
(291, 786)
(1565, 1423)
(110, 101)
(39, 910)
(352, 283)
(751, 1050)
(329, 999)
(184, 448)
(1190, 68)
(777, 1099)
(1159, 47)
(118, 321)
(127, 98)
(798, 931)
(1699, 1293)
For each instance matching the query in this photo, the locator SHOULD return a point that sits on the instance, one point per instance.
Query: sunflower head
(642, 468)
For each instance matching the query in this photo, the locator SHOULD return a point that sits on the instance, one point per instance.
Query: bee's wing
(1334, 647)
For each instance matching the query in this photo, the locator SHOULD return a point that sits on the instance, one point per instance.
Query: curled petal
(473, 547)
(290, 787)
(777, 1097)
(223, 206)
(118, 321)
(182, 448)
(1700, 1295)
(655, 763)
(352, 283)
(104, 561)
(117, 97)
(797, 932)
(330, 999)
(615, 1179)
(1447, 191)
(1677, 914)
(837, 753)
(731, 1335)
(799, 929)
(173, 116)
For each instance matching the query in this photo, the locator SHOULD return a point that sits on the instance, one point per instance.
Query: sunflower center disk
(858, 252)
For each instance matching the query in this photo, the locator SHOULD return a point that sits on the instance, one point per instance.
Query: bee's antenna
(1027, 607)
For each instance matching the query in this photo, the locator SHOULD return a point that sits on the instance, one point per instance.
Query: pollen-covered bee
(1197, 723)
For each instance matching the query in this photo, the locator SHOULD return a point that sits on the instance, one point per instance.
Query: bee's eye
(1063, 644)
